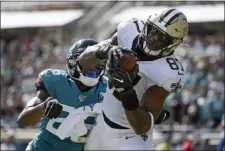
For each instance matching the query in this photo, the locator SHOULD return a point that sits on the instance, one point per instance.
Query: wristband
(129, 99)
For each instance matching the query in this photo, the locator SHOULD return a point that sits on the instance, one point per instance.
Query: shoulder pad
(166, 72)
(127, 31)
(50, 78)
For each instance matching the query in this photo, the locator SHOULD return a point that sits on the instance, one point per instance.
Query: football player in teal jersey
(58, 94)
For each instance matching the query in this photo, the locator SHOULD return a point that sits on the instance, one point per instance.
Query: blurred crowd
(200, 104)
(173, 3)
(48, 5)
(22, 59)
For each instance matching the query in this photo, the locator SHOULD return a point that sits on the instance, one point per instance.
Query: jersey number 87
(175, 64)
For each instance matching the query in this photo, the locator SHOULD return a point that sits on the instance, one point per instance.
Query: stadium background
(37, 35)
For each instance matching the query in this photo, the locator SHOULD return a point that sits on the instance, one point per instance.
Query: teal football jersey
(61, 87)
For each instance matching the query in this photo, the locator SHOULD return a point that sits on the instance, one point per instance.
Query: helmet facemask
(90, 78)
(92, 75)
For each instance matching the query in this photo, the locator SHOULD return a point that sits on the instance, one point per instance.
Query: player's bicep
(42, 94)
(41, 97)
(153, 100)
(42, 91)
(39, 84)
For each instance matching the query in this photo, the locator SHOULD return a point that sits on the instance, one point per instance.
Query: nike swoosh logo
(127, 137)
(119, 80)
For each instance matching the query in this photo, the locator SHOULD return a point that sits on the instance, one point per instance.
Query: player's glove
(164, 115)
(103, 49)
(52, 108)
(118, 77)
(123, 81)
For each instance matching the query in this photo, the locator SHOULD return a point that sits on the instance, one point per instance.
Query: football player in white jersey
(132, 104)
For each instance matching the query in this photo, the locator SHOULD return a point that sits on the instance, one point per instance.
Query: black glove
(164, 115)
(52, 108)
(118, 77)
(103, 49)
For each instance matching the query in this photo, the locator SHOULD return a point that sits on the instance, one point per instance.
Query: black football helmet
(91, 78)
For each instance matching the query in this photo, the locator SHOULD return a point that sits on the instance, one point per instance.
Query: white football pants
(103, 137)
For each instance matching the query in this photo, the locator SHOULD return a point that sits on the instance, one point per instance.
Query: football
(129, 61)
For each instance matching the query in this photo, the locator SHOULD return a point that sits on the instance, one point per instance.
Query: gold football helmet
(163, 33)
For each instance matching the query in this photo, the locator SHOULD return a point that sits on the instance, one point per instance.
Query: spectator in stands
(9, 142)
(216, 107)
(166, 144)
(192, 111)
(177, 109)
(187, 144)
(221, 144)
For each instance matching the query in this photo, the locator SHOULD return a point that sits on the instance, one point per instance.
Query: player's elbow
(146, 126)
(21, 125)
(20, 122)
(143, 129)
(140, 131)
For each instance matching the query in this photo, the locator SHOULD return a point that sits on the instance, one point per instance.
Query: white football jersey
(166, 72)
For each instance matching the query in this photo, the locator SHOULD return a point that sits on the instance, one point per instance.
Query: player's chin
(155, 46)
(151, 47)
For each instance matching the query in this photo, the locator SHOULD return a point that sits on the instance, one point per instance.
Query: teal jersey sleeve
(102, 89)
(104, 85)
(51, 78)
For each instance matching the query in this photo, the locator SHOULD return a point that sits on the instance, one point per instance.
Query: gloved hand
(118, 77)
(103, 48)
(52, 108)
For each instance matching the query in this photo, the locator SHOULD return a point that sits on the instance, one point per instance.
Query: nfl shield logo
(82, 98)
